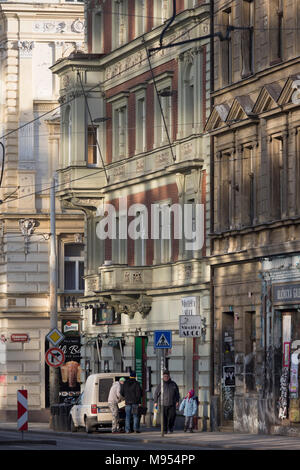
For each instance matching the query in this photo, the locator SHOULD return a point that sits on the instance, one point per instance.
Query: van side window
(104, 388)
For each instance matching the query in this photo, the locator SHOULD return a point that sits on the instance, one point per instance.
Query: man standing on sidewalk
(114, 398)
(171, 401)
(132, 392)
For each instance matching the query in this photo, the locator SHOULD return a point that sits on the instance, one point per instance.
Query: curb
(28, 441)
(123, 438)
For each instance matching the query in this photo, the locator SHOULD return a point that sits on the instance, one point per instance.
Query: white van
(91, 409)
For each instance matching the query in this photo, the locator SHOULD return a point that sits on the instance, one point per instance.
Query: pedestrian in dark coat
(171, 401)
(132, 393)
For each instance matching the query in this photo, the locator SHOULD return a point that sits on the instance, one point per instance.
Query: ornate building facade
(32, 37)
(143, 119)
(254, 126)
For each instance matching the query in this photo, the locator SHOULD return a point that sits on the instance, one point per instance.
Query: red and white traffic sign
(55, 357)
(22, 410)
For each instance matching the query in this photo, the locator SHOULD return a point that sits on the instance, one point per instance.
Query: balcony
(139, 279)
(78, 186)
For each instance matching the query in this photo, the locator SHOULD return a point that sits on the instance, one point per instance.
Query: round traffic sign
(54, 357)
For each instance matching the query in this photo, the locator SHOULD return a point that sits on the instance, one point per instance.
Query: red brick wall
(109, 133)
(150, 12)
(107, 24)
(147, 198)
(131, 20)
(168, 66)
(150, 116)
(179, 6)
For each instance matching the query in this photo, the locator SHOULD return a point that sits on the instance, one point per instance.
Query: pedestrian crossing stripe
(163, 341)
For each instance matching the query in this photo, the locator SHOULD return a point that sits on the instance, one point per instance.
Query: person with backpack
(189, 407)
(132, 392)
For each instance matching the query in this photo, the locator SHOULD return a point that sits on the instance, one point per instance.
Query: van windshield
(104, 388)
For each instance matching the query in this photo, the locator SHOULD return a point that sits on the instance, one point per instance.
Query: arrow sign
(54, 357)
(22, 396)
(163, 339)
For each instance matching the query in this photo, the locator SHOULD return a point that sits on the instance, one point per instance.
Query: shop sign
(70, 327)
(19, 338)
(229, 376)
(70, 371)
(190, 305)
(190, 326)
(286, 293)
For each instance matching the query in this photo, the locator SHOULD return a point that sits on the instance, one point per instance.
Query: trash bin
(54, 417)
(65, 409)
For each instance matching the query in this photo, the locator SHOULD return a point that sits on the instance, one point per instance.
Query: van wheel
(88, 425)
(73, 427)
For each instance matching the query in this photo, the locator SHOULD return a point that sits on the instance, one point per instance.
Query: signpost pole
(54, 378)
(162, 366)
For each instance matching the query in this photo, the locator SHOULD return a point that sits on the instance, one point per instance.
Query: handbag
(142, 410)
(121, 404)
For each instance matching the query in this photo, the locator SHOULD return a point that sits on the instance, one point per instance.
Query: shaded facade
(254, 125)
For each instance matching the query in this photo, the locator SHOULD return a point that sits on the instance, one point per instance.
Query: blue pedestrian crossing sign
(163, 339)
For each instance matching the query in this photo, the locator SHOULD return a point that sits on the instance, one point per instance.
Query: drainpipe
(212, 316)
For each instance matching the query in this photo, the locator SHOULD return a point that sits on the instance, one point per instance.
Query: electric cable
(93, 127)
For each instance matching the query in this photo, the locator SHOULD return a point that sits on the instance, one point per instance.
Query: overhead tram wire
(160, 106)
(93, 127)
(171, 44)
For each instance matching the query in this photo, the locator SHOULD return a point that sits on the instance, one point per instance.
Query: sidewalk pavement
(216, 440)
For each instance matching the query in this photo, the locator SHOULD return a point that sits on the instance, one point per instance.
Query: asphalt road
(84, 442)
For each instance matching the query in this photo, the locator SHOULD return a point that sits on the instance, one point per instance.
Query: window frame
(160, 244)
(163, 82)
(77, 260)
(119, 102)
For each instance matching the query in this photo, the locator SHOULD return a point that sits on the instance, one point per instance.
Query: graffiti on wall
(228, 402)
(284, 391)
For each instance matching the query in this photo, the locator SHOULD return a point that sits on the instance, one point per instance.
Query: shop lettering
(288, 293)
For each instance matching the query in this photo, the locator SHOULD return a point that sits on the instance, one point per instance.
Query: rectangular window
(120, 22)
(276, 30)
(225, 192)
(163, 244)
(140, 246)
(97, 32)
(120, 138)
(140, 13)
(141, 125)
(92, 146)
(226, 49)
(247, 189)
(74, 267)
(247, 38)
(190, 253)
(119, 245)
(163, 116)
(276, 173)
